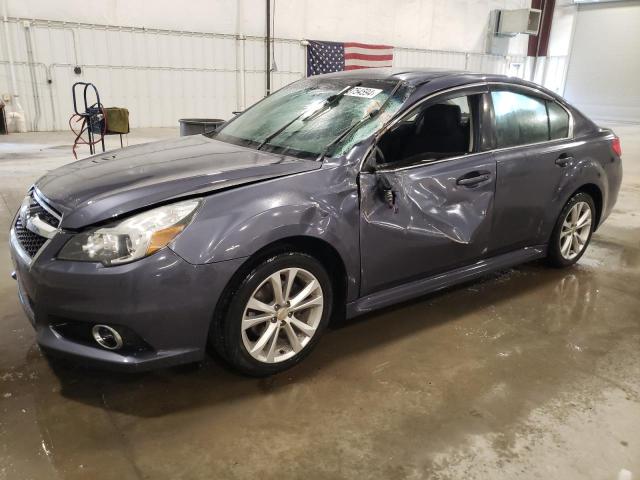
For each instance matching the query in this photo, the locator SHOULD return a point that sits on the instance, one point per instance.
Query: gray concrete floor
(529, 373)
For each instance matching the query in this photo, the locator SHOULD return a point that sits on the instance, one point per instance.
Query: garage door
(604, 69)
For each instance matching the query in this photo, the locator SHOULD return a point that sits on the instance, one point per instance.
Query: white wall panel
(458, 25)
(158, 76)
(604, 67)
(423, 58)
(553, 73)
(161, 76)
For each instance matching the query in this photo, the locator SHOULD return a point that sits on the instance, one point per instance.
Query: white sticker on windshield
(363, 92)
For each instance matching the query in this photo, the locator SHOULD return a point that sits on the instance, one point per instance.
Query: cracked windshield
(316, 117)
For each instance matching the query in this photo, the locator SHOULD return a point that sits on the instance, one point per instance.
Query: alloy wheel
(575, 231)
(282, 315)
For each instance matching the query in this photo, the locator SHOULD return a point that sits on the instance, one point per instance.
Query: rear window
(520, 119)
(558, 121)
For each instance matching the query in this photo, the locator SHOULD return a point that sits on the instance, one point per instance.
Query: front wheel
(572, 231)
(275, 316)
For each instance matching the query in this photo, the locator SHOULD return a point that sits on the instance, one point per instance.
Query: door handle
(563, 160)
(471, 181)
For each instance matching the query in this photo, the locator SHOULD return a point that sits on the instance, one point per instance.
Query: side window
(520, 119)
(436, 131)
(558, 121)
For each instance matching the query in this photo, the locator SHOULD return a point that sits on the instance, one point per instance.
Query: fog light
(107, 337)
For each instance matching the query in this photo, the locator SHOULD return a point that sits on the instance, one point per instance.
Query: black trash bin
(195, 126)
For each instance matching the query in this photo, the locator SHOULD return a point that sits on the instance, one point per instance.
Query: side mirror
(374, 159)
(386, 189)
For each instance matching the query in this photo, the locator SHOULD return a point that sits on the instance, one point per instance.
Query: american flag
(326, 57)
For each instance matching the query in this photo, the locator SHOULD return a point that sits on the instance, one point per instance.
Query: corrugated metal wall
(164, 75)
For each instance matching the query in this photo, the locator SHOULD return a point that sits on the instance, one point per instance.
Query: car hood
(113, 183)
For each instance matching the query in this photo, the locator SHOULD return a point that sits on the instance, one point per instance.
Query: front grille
(32, 242)
(29, 241)
(35, 208)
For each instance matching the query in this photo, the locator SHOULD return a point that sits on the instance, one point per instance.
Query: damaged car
(335, 196)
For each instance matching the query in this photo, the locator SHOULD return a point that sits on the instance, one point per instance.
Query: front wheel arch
(225, 333)
(322, 251)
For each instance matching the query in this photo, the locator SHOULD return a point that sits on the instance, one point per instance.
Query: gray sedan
(335, 196)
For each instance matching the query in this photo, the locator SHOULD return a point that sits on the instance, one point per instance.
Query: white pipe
(240, 59)
(17, 120)
(32, 72)
(53, 103)
(567, 60)
(7, 39)
(74, 37)
(242, 93)
(304, 44)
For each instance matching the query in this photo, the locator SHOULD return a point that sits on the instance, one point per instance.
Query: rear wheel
(572, 231)
(275, 316)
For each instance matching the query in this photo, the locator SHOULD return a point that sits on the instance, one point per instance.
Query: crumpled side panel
(435, 224)
(321, 205)
(437, 209)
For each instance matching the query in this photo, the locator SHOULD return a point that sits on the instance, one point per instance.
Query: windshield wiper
(330, 102)
(351, 128)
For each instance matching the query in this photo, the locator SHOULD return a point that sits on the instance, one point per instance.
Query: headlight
(132, 238)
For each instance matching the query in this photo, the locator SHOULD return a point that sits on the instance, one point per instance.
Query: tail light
(615, 145)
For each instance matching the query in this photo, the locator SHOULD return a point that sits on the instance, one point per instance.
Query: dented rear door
(440, 218)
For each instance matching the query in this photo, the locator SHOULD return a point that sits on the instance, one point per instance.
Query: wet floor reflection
(470, 360)
(570, 300)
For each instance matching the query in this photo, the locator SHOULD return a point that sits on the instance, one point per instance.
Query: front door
(427, 205)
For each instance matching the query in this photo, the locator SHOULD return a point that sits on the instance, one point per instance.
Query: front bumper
(165, 301)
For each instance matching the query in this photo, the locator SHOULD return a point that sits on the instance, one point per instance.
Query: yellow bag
(117, 120)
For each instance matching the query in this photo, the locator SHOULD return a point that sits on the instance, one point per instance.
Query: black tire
(554, 255)
(225, 335)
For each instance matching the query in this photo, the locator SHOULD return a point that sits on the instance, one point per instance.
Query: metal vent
(30, 242)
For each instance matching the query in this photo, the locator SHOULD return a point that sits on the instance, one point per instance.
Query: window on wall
(558, 121)
(520, 119)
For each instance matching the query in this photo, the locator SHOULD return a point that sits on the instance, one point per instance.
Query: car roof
(412, 75)
(420, 76)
